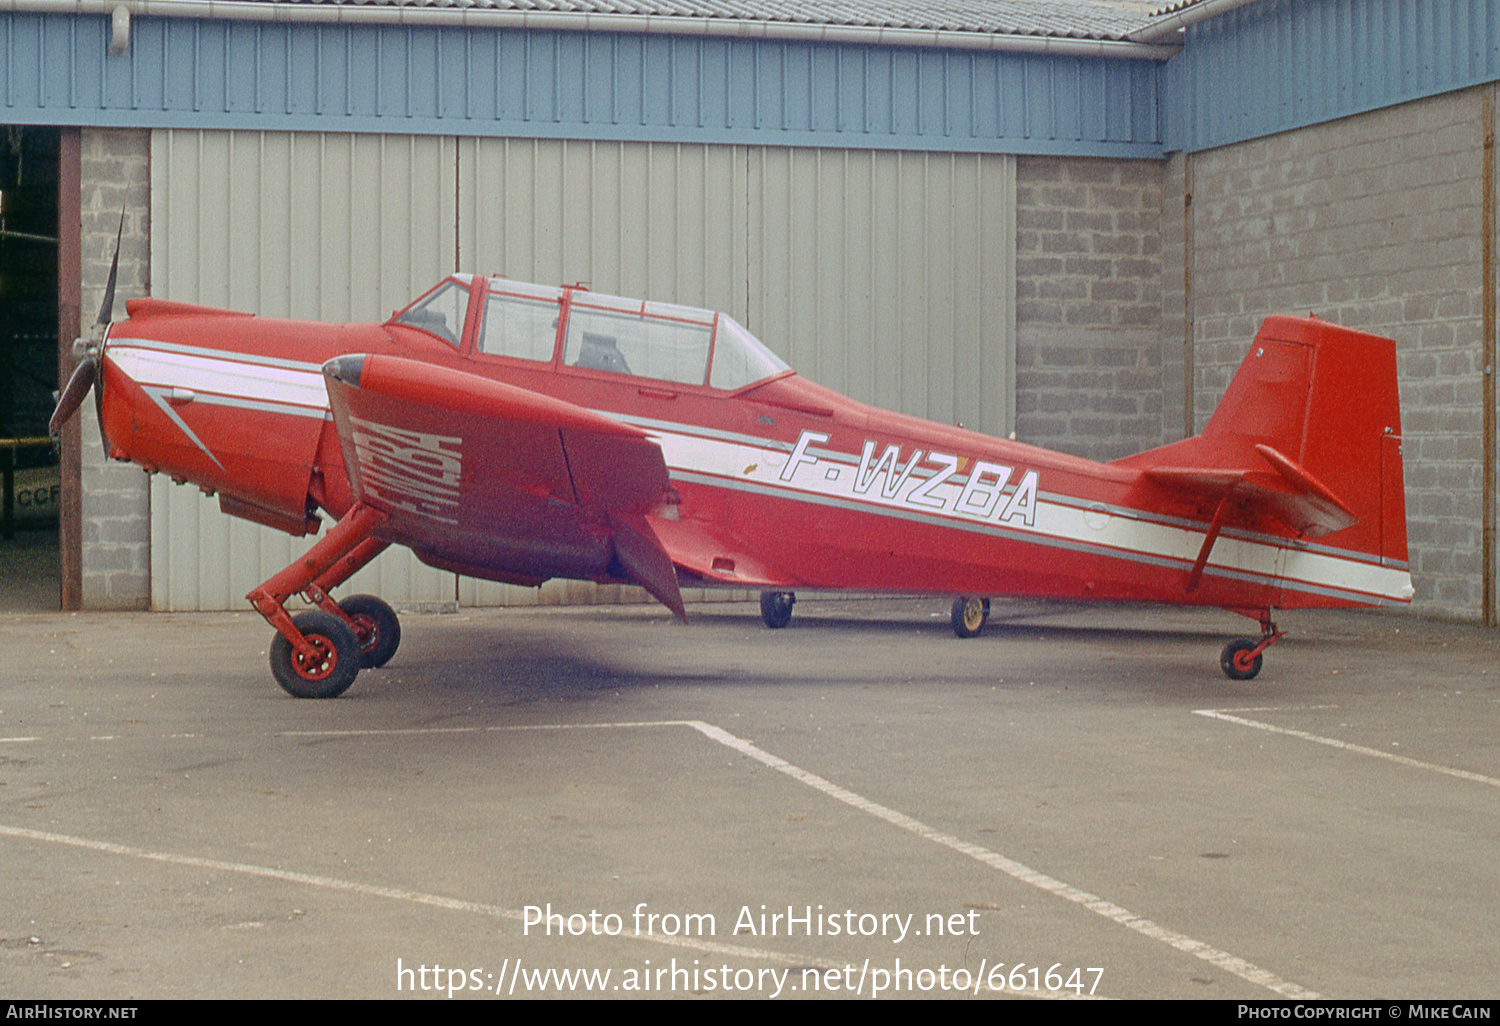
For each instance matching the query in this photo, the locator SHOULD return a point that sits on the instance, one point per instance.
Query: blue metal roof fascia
(1285, 64)
(55, 69)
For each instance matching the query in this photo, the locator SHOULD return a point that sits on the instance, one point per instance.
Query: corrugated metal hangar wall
(888, 275)
(839, 194)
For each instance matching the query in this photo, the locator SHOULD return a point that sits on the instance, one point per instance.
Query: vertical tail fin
(1307, 437)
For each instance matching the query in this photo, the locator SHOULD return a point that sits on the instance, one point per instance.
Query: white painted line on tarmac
(1101, 906)
(334, 883)
(1108, 909)
(1270, 708)
(1223, 714)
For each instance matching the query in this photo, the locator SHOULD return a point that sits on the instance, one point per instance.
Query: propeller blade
(107, 308)
(73, 395)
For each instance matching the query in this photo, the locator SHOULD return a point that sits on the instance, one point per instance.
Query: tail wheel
(969, 615)
(776, 608)
(1240, 660)
(376, 626)
(330, 673)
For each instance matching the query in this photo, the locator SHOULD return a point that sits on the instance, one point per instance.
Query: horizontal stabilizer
(1305, 443)
(1284, 491)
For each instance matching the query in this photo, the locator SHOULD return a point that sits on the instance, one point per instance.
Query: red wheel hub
(328, 659)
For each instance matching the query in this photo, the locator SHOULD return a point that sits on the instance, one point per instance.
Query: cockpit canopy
(575, 328)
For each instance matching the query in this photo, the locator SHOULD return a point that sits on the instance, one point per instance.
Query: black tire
(1235, 661)
(776, 608)
(376, 626)
(332, 675)
(969, 616)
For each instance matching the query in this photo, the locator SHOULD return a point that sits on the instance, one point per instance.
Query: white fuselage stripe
(227, 355)
(697, 431)
(1055, 524)
(226, 377)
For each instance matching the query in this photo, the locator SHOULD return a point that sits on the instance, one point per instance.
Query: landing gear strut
(1241, 658)
(317, 654)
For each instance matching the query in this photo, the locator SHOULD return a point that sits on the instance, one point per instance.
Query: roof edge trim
(736, 28)
(1166, 28)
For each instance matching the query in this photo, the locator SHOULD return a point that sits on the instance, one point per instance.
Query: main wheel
(1236, 660)
(334, 669)
(776, 608)
(377, 627)
(969, 615)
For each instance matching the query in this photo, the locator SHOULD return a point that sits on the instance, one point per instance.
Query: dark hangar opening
(29, 477)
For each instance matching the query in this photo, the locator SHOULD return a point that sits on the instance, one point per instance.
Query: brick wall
(116, 497)
(1372, 221)
(1088, 305)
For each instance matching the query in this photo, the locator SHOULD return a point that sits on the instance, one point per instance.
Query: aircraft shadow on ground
(499, 662)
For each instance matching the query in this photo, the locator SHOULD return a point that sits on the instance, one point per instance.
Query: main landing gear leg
(1241, 658)
(373, 621)
(317, 654)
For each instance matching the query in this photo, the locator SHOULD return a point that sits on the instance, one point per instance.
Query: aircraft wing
(498, 481)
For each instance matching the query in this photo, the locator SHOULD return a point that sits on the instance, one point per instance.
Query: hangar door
(885, 275)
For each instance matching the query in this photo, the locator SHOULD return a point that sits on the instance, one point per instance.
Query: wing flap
(643, 560)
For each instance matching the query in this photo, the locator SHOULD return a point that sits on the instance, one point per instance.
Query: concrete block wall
(116, 497)
(1372, 221)
(1088, 305)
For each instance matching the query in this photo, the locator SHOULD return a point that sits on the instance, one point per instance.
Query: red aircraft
(516, 432)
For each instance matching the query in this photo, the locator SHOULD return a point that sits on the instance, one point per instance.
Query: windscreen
(740, 358)
(440, 312)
